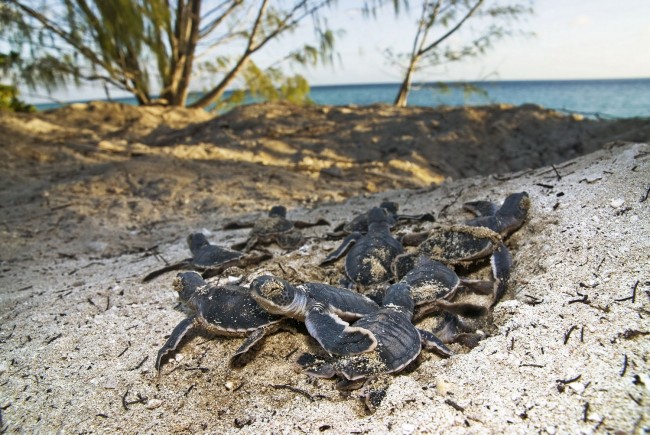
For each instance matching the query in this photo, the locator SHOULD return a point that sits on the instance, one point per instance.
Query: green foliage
(452, 31)
(141, 45)
(9, 100)
(267, 85)
(468, 89)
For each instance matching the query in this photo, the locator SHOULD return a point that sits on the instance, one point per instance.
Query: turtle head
(277, 296)
(399, 295)
(379, 217)
(196, 241)
(278, 211)
(187, 283)
(390, 206)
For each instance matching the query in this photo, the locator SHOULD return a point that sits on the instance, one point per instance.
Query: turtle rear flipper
(343, 248)
(433, 343)
(335, 335)
(183, 264)
(454, 330)
(315, 366)
(176, 336)
(374, 391)
(478, 286)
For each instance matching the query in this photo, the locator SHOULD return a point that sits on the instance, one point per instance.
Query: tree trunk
(405, 88)
(188, 54)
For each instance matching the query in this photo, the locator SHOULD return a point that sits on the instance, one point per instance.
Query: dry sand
(95, 196)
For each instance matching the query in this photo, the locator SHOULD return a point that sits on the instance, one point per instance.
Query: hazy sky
(573, 40)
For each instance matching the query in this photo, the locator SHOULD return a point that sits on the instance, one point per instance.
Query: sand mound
(87, 211)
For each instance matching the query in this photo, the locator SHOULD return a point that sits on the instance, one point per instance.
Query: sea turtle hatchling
(396, 344)
(207, 258)
(275, 228)
(479, 238)
(433, 287)
(221, 309)
(503, 220)
(279, 297)
(370, 256)
(359, 223)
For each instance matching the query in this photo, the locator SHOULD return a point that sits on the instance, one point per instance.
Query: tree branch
(437, 42)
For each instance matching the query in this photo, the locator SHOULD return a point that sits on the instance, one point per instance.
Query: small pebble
(408, 428)
(229, 385)
(110, 384)
(153, 403)
(616, 203)
(179, 357)
(577, 387)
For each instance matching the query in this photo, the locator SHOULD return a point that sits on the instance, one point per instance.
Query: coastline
(604, 98)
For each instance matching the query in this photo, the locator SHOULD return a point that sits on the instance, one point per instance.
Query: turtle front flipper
(335, 335)
(501, 264)
(433, 343)
(465, 309)
(236, 225)
(424, 217)
(170, 267)
(481, 208)
(315, 366)
(176, 336)
(346, 244)
(513, 212)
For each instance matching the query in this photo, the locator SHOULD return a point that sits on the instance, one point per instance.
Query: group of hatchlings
(365, 325)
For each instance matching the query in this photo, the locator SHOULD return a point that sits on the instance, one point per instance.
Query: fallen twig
(454, 405)
(568, 381)
(59, 335)
(584, 299)
(568, 333)
(140, 364)
(312, 398)
(624, 369)
(633, 296)
(645, 197)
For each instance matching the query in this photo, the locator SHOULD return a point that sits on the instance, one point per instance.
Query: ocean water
(597, 98)
(622, 98)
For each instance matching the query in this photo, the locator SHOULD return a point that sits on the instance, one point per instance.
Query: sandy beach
(96, 195)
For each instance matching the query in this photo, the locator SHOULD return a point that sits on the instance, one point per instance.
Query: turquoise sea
(616, 98)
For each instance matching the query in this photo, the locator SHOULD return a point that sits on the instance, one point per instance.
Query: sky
(589, 39)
